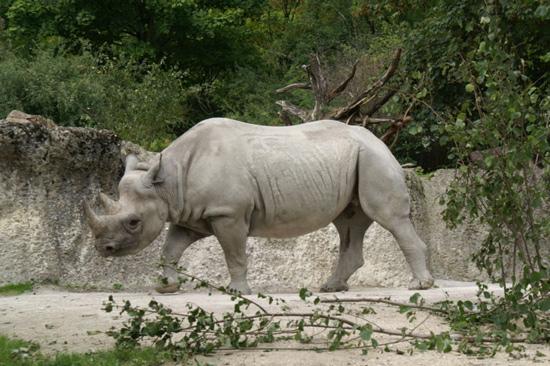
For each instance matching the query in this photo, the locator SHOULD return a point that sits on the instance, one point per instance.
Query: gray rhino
(234, 180)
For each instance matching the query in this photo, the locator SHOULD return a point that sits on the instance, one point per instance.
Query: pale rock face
(24, 118)
(46, 172)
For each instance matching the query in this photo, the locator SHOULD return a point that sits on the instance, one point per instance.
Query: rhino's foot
(334, 287)
(168, 288)
(240, 287)
(417, 284)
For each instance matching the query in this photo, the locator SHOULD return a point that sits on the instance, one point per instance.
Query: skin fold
(234, 180)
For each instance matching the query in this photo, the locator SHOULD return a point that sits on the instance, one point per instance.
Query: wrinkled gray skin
(234, 180)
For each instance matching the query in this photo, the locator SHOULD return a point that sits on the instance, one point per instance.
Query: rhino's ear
(151, 177)
(131, 163)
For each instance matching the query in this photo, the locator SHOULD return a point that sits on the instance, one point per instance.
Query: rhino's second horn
(96, 223)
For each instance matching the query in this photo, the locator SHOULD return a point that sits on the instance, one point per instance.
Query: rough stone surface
(45, 173)
(22, 117)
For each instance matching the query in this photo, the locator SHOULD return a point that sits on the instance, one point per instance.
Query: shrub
(139, 102)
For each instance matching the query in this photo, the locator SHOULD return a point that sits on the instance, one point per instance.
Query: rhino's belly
(290, 215)
(290, 228)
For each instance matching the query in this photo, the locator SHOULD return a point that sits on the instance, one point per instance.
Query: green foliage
(22, 353)
(481, 327)
(16, 288)
(501, 135)
(197, 331)
(501, 138)
(232, 55)
(481, 103)
(138, 102)
(521, 315)
(205, 37)
(439, 38)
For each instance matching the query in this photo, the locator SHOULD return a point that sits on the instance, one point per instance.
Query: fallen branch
(383, 301)
(364, 96)
(343, 85)
(293, 110)
(379, 103)
(292, 87)
(197, 331)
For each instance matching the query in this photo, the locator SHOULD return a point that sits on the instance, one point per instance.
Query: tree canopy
(228, 58)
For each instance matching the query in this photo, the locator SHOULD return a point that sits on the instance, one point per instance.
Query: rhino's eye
(132, 224)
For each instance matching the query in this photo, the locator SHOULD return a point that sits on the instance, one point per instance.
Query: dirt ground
(60, 320)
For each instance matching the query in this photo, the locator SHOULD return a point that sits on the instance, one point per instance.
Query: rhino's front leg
(177, 240)
(232, 234)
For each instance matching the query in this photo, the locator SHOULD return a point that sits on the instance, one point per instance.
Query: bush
(140, 103)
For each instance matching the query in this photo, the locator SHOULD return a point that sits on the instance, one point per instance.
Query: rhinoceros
(233, 180)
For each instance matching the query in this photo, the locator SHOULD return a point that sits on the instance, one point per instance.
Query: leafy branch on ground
(328, 324)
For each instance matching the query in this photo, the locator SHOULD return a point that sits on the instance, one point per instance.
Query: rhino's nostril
(109, 248)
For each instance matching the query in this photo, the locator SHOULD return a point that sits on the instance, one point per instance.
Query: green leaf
(413, 130)
(542, 11)
(304, 293)
(414, 298)
(421, 94)
(544, 305)
(530, 117)
(404, 309)
(443, 343)
(366, 333)
(470, 87)
(489, 160)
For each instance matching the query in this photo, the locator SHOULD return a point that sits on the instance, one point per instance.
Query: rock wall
(46, 172)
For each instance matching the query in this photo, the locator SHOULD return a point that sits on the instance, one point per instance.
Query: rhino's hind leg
(384, 197)
(351, 225)
(232, 235)
(177, 240)
(416, 253)
(412, 246)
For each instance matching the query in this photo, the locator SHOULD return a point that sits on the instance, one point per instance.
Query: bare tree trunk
(359, 111)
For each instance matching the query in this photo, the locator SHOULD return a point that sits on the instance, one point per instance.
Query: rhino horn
(95, 222)
(131, 163)
(108, 204)
(150, 177)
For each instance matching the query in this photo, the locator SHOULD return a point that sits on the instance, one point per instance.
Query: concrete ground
(60, 320)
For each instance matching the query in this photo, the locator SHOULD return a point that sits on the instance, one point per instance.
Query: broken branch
(365, 96)
(340, 88)
(292, 87)
(374, 107)
(291, 109)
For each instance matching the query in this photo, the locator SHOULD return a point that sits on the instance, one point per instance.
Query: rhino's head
(133, 222)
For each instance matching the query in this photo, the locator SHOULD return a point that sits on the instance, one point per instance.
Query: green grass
(21, 353)
(15, 288)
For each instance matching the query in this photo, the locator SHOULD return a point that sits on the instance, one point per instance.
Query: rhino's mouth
(123, 251)
(113, 250)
